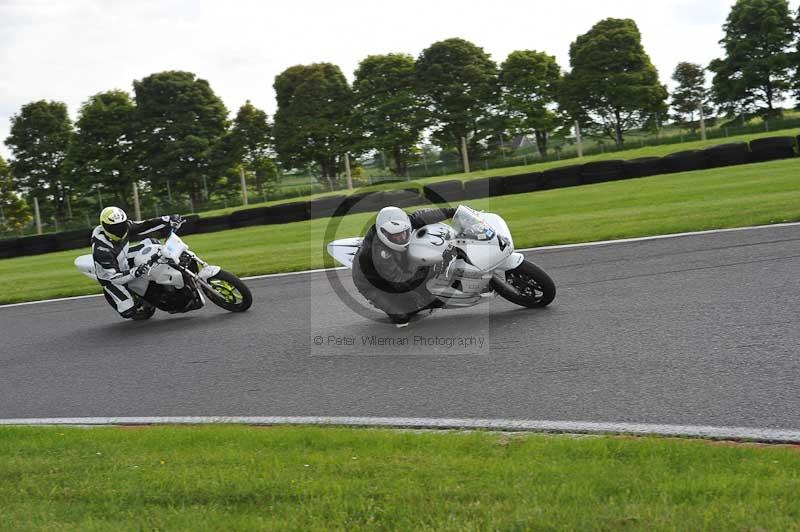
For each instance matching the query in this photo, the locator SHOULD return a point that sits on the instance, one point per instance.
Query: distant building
(521, 141)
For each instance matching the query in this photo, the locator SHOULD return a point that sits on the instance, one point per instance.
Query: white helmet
(394, 228)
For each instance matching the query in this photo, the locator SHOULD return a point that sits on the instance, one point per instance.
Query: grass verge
(709, 199)
(313, 478)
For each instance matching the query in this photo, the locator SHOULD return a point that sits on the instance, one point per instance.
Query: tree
(180, 122)
(529, 82)
(101, 153)
(314, 120)
(39, 139)
(251, 144)
(755, 72)
(457, 82)
(14, 212)
(690, 93)
(388, 109)
(613, 87)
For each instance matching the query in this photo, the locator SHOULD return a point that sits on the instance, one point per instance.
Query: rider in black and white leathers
(386, 277)
(111, 259)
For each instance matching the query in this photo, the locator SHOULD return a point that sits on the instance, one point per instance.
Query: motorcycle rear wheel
(229, 292)
(536, 289)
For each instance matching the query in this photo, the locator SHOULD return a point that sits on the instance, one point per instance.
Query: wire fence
(566, 148)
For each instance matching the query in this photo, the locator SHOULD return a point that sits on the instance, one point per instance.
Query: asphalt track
(693, 330)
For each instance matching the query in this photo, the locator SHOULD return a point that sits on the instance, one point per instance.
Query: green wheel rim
(226, 290)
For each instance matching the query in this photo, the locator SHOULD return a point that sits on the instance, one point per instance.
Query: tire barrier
(213, 224)
(79, 238)
(728, 154)
(247, 217)
(326, 206)
(401, 198)
(296, 211)
(444, 192)
(521, 183)
(34, 245)
(368, 202)
(189, 224)
(684, 161)
(772, 148)
(477, 188)
(565, 176)
(10, 248)
(452, 191)
(641, 167)
(486, 187)
(601, 171)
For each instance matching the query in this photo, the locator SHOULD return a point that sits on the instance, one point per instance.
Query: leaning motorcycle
(177, 280)
(475, 260)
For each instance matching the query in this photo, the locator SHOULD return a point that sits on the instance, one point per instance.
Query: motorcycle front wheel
(535, 289)
(229, 292)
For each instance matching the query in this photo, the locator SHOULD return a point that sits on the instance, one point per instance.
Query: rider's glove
(141, 271)
(175, 220)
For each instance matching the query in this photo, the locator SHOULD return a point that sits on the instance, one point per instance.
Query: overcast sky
(68, 50)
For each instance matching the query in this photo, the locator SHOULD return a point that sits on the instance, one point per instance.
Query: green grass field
(647, 151)
(727, 197)
(312, 478)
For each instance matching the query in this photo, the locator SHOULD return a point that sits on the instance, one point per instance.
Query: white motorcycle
(481, 262)
(177, 280)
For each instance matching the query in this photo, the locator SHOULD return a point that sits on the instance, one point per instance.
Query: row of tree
(760, 68)
(173, 137)
(454, 91)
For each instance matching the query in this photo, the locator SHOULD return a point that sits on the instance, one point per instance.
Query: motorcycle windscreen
(174, 246)
(468, 223)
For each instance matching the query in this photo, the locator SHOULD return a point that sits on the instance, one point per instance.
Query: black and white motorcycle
(481, 261)
(177, 280)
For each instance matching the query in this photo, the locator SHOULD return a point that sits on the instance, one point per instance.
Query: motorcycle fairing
(344, 250)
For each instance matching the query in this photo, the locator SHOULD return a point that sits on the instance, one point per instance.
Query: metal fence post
(38, 216)
(347, 171)
(244, 187)
(702, 123)
(137, 211)
(464, 155)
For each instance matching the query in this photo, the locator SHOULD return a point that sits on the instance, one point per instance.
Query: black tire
(231, 293)
(144, 313)
(537, 287)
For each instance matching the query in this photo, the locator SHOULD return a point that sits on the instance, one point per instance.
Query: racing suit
(111, 263)
(387, 278)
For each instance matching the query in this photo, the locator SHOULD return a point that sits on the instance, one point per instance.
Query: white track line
(576, 427)
(543, 248)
